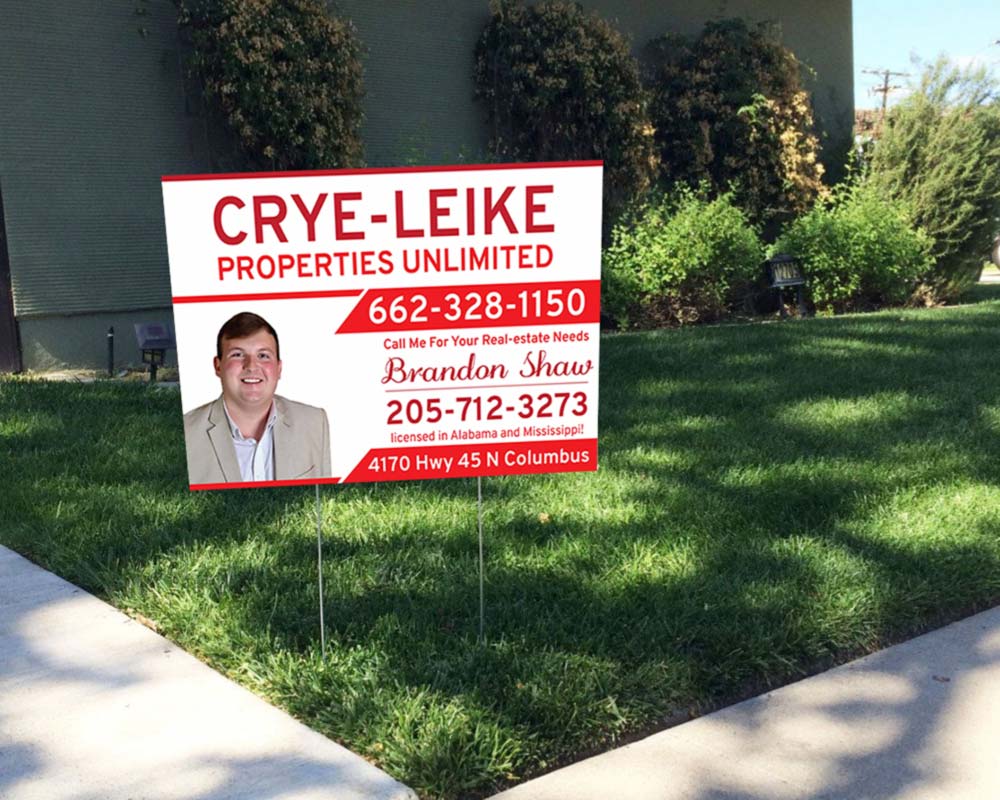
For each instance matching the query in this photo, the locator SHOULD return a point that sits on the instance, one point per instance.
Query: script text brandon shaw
(535, 364)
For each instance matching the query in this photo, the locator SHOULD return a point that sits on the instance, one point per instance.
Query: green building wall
(94, 112)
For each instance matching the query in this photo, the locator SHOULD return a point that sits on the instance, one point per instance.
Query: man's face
(249, 370)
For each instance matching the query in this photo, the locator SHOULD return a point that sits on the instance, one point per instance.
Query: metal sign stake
(319, 561)
(482, 602)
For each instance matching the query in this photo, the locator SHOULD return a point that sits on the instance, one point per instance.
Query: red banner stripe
(201, 487)
(494, 305)
(494, 457)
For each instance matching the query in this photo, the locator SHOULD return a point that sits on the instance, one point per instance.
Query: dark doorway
(10, 347)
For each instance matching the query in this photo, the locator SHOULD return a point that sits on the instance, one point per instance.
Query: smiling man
(250, 433)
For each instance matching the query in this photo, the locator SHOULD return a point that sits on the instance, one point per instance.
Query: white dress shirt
(256, 458)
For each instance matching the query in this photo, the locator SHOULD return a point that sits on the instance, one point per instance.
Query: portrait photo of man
(250, 433)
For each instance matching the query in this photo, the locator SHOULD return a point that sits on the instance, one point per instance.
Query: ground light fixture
(154, 338)
(783, 273)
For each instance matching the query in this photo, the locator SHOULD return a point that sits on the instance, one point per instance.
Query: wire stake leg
(482, 596)
(319, 568)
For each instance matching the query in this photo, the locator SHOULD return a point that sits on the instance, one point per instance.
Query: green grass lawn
(772, 499)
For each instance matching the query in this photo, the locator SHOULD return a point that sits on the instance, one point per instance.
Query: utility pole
(885, 88)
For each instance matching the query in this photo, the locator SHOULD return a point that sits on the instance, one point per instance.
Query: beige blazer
(301, 443)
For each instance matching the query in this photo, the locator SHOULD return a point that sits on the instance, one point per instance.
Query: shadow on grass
(749, 525)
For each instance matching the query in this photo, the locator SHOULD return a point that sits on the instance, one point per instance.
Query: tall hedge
(283, 76)
(730, 108)
(939, 151)
(559, 83)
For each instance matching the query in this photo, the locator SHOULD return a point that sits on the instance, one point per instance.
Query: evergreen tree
(939, 151)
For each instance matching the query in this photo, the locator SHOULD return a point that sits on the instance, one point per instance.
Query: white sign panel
(386, 324)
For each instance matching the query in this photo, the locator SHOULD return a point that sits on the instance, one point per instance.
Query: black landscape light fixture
(783, 273)
(154, 338)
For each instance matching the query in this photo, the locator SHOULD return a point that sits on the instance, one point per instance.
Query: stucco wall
(93, 114)
(81, 341)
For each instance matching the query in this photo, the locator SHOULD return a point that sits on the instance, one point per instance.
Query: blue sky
(888, 34)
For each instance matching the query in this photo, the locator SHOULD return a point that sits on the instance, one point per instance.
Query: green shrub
(939, 150)
(858, 249)
(283, 76)
(560, 84)
(678, 260)
(729, 108)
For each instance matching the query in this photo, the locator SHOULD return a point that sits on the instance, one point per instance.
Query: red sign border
(232, 176)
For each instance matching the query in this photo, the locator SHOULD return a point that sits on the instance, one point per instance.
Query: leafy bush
(858, 249)
(729, 108)
(560, 84)
(939, 150)
(679, 260)
(283, 76)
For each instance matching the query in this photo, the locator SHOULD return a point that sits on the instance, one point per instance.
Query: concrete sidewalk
(919, 721)
(93, 706)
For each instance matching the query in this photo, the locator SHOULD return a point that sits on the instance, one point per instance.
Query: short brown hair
(246, 323)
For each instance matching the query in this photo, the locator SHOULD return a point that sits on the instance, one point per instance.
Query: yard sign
(445, 319)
